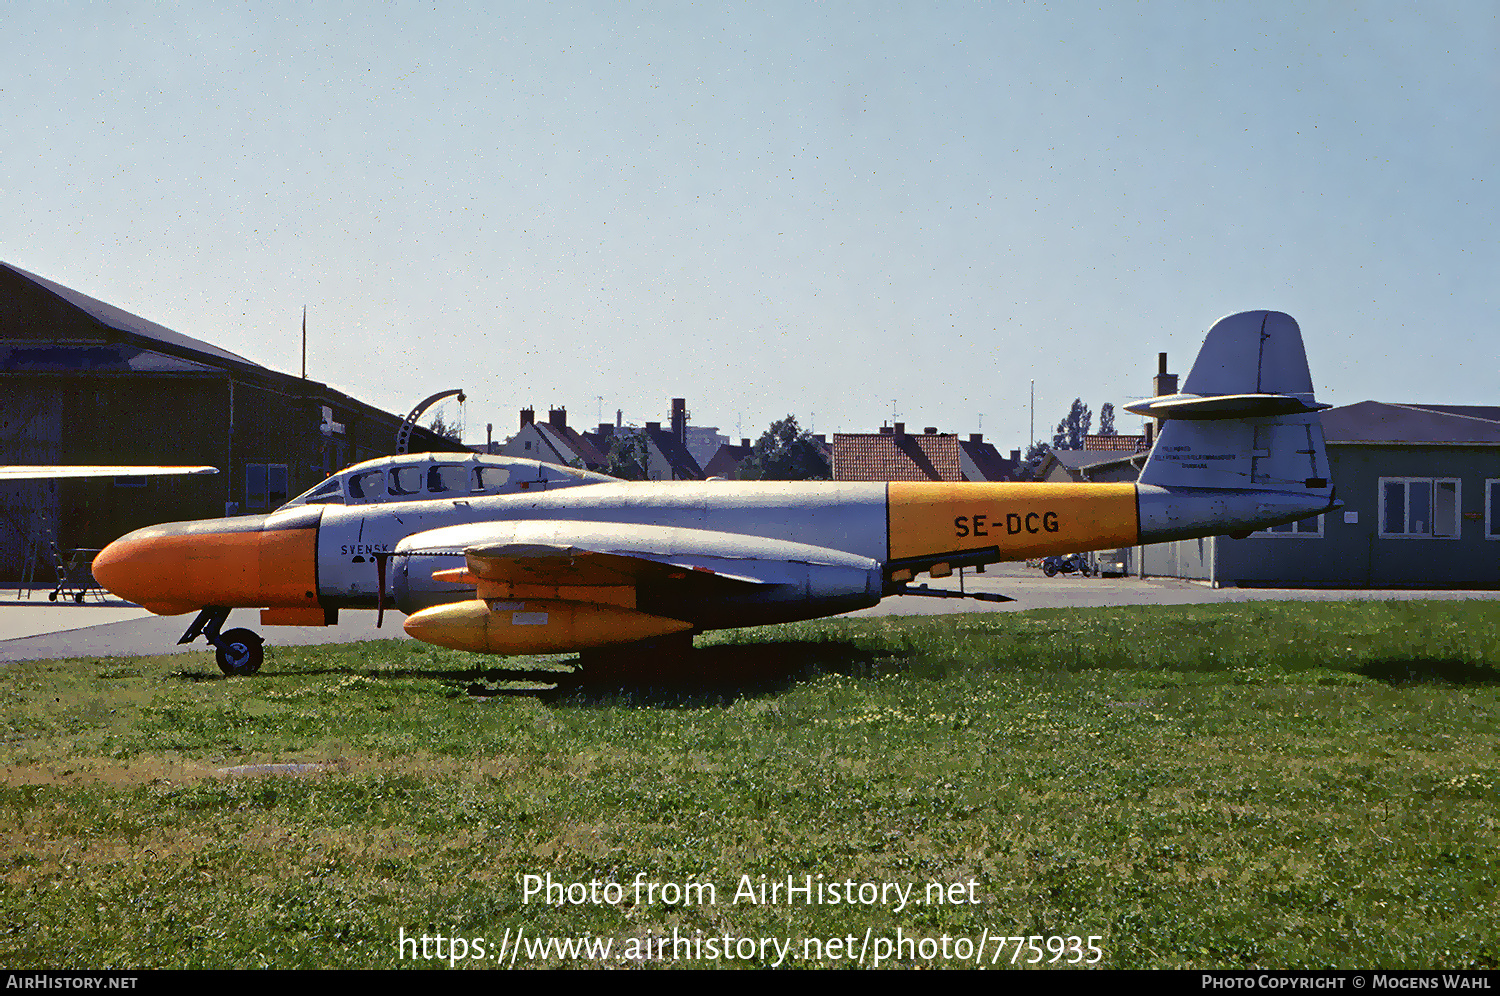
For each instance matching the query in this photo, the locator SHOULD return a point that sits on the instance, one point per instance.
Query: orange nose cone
(138, 567)
(535, 626)
(182, 566)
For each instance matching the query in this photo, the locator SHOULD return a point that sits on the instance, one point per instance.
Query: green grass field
(1258, 785)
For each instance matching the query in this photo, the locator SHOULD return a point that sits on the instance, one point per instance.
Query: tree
(440, 426)
(1107, 420)
(785, 452)
(1032, 462)
(1071, 430)
(629, 456)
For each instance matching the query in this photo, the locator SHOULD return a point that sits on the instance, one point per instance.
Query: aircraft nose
(117, 566)
(249, 561)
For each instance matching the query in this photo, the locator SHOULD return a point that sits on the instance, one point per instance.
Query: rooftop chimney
(653, 426)
(899, 429)
(885, 430)
(1164, 383)
(528, 416)
(931, 430)
(976, 437)
(605, 429)
(558, 417)
(744, 444)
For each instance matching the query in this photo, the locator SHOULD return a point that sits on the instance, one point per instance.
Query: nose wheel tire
(240, 652)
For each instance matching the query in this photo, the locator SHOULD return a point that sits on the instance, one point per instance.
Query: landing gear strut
(239, 651)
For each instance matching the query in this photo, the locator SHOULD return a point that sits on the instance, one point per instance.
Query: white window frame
(1289, 530)
(1432, 483)
(1491, 511)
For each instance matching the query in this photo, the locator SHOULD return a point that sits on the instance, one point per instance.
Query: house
(703, 442)
(1103, 458)
(893, 454)
(980, 461)
(667, 456)
(554, 441)
(726, 462)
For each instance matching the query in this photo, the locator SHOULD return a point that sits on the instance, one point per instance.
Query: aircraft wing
(546, 586)
(587, 554)
(44, 472)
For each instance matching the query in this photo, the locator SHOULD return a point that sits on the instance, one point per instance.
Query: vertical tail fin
(1245, 427)
(1246, 417)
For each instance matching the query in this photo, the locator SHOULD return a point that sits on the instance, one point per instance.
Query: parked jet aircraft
(604, 564)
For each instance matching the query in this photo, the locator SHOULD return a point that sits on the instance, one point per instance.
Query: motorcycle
(1073, 563)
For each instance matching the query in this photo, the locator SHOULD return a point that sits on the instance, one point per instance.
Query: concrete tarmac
(32, 628)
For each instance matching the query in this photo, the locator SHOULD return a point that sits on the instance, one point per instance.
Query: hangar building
(1421, 491)
(83, 382)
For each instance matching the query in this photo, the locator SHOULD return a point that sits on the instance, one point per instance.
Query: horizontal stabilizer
(1192, 406)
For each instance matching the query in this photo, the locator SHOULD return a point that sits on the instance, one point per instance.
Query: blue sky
(841, 211)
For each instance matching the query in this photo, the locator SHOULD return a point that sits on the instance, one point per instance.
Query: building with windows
(554, 441)
(1420, 486)
(84, 382)
(893, 454)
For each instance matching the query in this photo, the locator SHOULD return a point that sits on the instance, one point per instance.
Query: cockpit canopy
(424, 476)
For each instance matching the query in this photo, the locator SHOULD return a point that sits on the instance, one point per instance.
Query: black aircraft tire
(245, 653)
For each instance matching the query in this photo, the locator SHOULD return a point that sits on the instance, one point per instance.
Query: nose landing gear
(240, 652)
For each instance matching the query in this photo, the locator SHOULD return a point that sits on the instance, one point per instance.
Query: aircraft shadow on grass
(725, 670)
(716, 672)
(1430, 670)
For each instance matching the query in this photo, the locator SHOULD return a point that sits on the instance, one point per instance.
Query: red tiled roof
(864, 456)
(1114, 444)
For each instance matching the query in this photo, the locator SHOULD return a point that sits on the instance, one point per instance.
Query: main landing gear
(239, 651)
